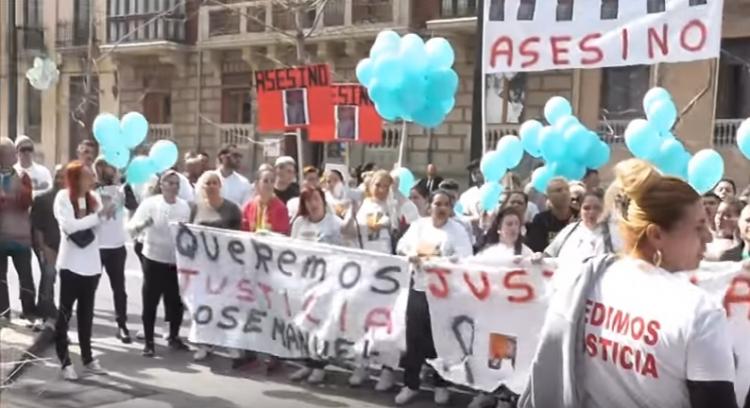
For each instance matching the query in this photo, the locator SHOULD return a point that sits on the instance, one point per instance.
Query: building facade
(188, 64)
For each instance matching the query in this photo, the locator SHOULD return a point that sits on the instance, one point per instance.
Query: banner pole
(402, 144)
(300, 158)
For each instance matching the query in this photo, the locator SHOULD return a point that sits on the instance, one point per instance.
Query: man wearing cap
(41, 179)
(285, 186)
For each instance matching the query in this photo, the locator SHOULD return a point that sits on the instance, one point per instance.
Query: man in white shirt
(41, 179)
(234, 187)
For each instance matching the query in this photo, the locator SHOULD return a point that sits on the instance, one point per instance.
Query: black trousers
(113, 261)
(81, 289)
(160, 280)
(419, 343)
(21, 258)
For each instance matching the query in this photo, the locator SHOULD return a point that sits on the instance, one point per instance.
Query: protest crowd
(77, 220)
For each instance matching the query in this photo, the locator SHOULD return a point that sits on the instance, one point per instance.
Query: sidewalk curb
(42, 341)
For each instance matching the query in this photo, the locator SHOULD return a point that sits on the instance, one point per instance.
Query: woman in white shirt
(77, 209)
(152, 218)
(112, 238)
(727, 234)
(337, 193)
(436, 236)
(504, 239)
(649, 337)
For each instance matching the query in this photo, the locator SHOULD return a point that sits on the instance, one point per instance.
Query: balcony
(71, 35)
(456, 16)
(266, 22)
(146, 28)
(613, 131)
(458, 8)
(495, 132)
(725, 131)
(239, 134)
(159, 132)
(32, 38)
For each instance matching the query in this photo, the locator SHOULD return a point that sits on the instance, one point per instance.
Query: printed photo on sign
(505, 94)
(502, 347)
(346, 123)
(295, 107)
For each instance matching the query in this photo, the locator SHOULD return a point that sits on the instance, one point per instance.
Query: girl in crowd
(265, 212)
(740, 251)
(212, 210)
(504, 238)
(311, 178)
(437, 236)
(76, 209)
(315, 223)
(112, 239)
(337, 192)
(420, 196)
(726, 190)
(726, 236)
(684, 354)
(152, 218)
(584, 238)
(374, 220)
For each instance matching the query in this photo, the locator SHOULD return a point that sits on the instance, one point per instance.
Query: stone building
(188, 64)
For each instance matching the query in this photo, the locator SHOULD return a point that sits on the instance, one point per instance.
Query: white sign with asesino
(539, 35)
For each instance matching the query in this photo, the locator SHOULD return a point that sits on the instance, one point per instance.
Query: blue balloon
(743, 138)
(430, 116)
(570, 170)
(662, 115)
(566, 122)
(387, 42)
(458, 209)
(598, 155)
(529, 133)
(163, 155)
(541, 177)
(413, 52)
(551, 144)
(642, 139)
(672, 158)
(140, 170)
(489, 195)
(134, 129)
(556, 108)
(440, 53)
(493, 166)
(442, 84)
(577, 142)
(365, 71)
(511, 150)
(406, 180)
(705, 170)
(447, 105)
(106, 129)
(653, 95)
(117, 156)
(412, 95)
(389, 71)
(386, 101)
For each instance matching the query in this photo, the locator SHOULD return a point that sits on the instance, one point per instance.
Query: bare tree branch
(698, 96)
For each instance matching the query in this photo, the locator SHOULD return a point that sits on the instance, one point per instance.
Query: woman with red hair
(76, 209)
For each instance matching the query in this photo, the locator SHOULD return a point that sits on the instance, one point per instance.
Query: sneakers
(317, 377)
(69, 373)
(358, 376)
(442, 396)
(94, 368)
(301, 374)
(406, 395)
(386, 380)
(482, 400)
(123, 335)
(148, 351)
(177, 344)
(202, 353)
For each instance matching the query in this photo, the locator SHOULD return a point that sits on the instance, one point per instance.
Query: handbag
(82, 238)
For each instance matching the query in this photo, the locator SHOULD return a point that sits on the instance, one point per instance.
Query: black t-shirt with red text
(543, 229)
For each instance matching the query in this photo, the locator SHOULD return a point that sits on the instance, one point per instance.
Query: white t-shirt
(647, 332)
(327, 230)
(112, 226)
(447, 241)
(499, 251)
(41, 179)
(378, 241)
(531, 211)
(237, 189)
(82, 261)
(470, 201)
(187, 192)
(158, 242)
(576, 243)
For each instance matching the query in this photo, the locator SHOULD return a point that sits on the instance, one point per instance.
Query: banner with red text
(293, 299)
(533, 35)
(356, 119)
(486, 321)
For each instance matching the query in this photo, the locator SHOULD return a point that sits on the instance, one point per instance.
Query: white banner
(486, 321)
(292, 299)
(538, 35)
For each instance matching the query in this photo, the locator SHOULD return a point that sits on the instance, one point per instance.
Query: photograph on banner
(505, 95)
(355, 117)
(346, 123)
(521, 35)
(293, 299)
(295, 97)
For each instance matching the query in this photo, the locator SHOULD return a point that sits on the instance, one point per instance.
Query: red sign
(296, 97)
(355, 117)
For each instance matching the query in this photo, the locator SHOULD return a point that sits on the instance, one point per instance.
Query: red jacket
(276, 216)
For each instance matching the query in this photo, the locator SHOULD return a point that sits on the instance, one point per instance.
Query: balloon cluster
(566, 145)
(117, 137)
(410, 79)
(651, 139)
(743, 138)
(494, 164)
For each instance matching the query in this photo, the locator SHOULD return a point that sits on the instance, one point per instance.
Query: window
(733, 89)
(236, 98)
(622, 91)
(81, 16)
(609, 9)
(505, 96)
(33, 14)
(33, 113)
(157, 107)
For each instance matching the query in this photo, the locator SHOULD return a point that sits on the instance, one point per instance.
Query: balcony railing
(458, 8)
(495, 132)
(268, 16)
(160, 132)
(238, 134)
(613, 131)
(72, 34)
(33, 38)
(391, 138)
(725, 131)
(149, 27)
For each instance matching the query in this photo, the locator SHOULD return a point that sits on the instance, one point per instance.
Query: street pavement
(173, 379)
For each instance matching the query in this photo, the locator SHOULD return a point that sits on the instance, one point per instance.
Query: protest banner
(486, 320)
(355, 115)
(529, 35)
(295, 97)
(293, 299)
